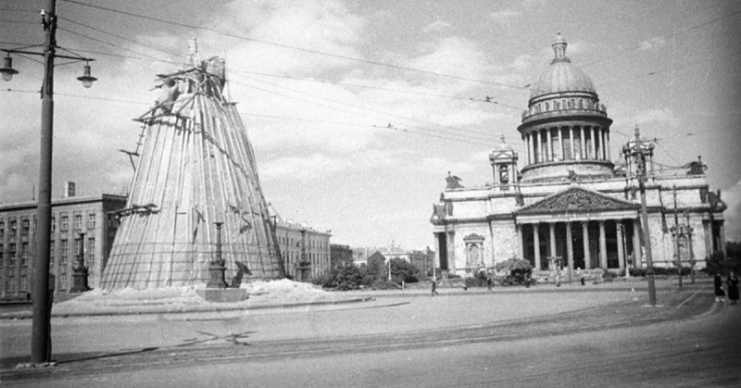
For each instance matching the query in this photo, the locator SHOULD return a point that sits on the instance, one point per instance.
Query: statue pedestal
(79, 280)
(223, 295)
(216, 276)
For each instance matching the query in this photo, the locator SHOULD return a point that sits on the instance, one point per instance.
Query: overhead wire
(232, 35)
(385, 113)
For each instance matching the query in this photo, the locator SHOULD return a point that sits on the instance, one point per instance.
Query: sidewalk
(328, 300)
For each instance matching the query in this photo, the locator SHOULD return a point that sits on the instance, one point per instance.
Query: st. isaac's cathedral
(570, 202)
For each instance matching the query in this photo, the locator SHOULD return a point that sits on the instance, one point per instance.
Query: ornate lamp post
(216, 268)
(638, 152)
(79, 270)
(41, 327)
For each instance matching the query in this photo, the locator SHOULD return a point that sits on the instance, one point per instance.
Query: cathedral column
(552, 238)
(549, 158)
(637, 259)
(604, 148)
(585, 241)
(536, 147)
(707, 229)
(536, 242)
(593, 140)
(571, 143)
(451, 251)
(527, 148)
(520, 245)
(582, 142)
(621, 253)
(569, 250)
(560, 143)
(602, 246)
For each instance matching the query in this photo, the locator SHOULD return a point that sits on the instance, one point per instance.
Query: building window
(1, 258)
(24, 254)
(2, 229)
(63, 281)
(25, 227)
(51, 254)
(63, 247)
(11, 253)
(78, 221)
(91, 221)
(13, 228)
(90, 254)
(65, 223)
(53, 224)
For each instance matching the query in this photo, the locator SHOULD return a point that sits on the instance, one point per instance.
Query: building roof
(65, 201)
(562, 75)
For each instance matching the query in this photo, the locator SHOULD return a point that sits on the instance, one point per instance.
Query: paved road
(545, 339)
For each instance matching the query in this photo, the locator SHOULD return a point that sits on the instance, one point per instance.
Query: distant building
(72, 218)
(305, 251)
(574, 204)
(340, 256)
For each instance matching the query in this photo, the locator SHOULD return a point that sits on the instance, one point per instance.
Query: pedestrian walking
(434, 286)
(718, 283)
(488, 282)
(732, 284)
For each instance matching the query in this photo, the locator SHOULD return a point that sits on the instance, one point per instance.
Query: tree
(376, 265)
(517, 269)
(402, 270)
(345, 278)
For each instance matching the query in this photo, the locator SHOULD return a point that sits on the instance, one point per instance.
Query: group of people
(731, 286)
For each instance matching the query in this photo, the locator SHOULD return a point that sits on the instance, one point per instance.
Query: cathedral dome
(562, 75)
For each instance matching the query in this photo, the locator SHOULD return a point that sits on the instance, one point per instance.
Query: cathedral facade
(572, 206)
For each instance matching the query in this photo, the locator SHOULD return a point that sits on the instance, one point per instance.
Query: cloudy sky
(358, 109)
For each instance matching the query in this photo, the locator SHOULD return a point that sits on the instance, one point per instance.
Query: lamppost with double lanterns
(41, 326)
(637, 151)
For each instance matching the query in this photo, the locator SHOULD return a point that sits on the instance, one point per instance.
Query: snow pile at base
(170, 299)
(285, 291)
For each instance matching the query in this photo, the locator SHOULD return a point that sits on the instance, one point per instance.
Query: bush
(401, 270)
(343, 278)
(384, 284)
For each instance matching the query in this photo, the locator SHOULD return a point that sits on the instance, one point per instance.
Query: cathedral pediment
(577, 200)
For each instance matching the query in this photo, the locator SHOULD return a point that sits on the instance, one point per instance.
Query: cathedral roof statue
(562, 75)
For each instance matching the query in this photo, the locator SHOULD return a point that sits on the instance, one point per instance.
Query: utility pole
(638, 153)
(41, 325)
(676, 233)
(692, 253)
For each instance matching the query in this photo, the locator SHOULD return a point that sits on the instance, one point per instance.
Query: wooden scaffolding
(196, 167)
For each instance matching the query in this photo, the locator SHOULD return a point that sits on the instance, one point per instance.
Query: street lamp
(7, 70)
(86, 79)
(41, 326)
(638, 152)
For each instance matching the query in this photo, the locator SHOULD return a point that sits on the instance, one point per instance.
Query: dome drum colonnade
(565, 122)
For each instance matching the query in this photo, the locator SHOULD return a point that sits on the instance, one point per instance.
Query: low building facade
(304, 250)
(78, 223)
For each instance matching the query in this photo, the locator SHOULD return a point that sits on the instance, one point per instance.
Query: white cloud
(662, 116)
(653, 44)
(505, 18)
(436, 26)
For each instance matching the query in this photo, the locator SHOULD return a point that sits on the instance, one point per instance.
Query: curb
(204, 309)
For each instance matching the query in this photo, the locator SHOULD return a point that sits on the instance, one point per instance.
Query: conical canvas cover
(196, 168)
